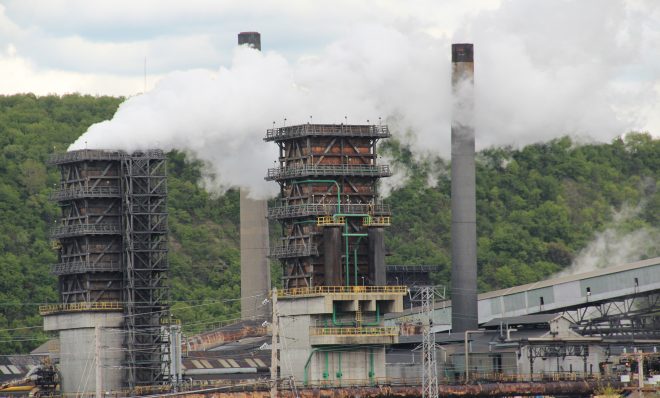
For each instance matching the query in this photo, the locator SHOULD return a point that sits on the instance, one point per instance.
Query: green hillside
(537, 208)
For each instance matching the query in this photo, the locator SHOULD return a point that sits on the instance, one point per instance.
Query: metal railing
(305, 130)
(79, 307)
(79, 267)
(358, 170)
(377, 221)
(84, 192)
(330, 221)
(317, 209)
(85, 154)
(365, 331)
(294, 250)
(321, 290)
(64, 231)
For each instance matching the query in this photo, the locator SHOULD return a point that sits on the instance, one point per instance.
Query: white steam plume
(616, 246)
(222, 118)
(542, 69)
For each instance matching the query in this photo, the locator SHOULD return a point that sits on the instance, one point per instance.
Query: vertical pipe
(463, 193)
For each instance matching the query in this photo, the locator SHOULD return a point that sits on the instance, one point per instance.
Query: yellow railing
(170, 321)
(377, 221)
(330, 221)
(321, 290)
(366, 331)
(79, 307)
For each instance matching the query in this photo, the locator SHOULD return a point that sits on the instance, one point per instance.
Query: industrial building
(112, 247)
(332, 254)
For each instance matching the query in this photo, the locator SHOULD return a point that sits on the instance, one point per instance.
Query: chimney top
(252, 39)
(462, 52)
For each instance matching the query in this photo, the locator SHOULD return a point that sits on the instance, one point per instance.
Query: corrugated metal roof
(531, 319)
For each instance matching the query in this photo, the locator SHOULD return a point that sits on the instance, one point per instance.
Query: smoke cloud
(617, 245)
(542, 69)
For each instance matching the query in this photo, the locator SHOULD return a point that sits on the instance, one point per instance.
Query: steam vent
(331, 219)
(112, 247)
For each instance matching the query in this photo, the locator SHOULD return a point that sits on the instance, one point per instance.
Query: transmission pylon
(426, 297)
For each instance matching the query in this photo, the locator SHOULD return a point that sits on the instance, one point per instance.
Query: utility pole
(97, 355)
(274, 347)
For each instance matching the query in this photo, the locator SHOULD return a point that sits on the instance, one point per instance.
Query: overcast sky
(544, 67)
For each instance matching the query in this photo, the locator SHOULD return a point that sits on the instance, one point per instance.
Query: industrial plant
(342, 322)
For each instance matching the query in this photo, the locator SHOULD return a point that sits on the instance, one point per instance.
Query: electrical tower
(426, 297)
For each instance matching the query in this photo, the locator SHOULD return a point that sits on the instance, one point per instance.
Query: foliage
(537, 207)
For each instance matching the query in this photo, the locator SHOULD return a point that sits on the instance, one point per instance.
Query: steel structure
(144, 185)
(88, 237)
(112, 247)
(331, 220)
(425, 297)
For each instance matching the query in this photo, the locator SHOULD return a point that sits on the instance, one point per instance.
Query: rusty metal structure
(111, 241)
(332, 222)
(88, 237)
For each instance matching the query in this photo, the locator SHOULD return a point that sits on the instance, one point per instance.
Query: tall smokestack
(463, 192)
(252, 39)
(255, 246)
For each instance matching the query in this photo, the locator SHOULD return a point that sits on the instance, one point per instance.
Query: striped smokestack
(463, 192)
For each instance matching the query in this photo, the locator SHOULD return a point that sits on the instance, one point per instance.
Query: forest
(540, 208)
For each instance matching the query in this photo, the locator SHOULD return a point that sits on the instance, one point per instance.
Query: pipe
(340, 349)
(221, 371)
(326, 373)
(339, 372)
(371, 366)
(377, 321)
(334, 317)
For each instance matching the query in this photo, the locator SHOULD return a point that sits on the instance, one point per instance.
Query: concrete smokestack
(463, 192)
(255, 245)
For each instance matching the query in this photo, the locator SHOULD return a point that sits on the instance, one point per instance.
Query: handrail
(305, 130)
(84, 192)
(86, 266)
(294, 250)
(364, 331)
(326, 209)
(63, 231)
(363, 170)
(85, 154)
(321, 290)
(79, 307)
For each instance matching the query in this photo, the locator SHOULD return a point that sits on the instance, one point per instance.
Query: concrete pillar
(255, 247)
(377, 257)
(84, 336)
(332, 256)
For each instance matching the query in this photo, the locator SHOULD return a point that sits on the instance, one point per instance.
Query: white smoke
(616, 245)
(222, 118)
(542, 69)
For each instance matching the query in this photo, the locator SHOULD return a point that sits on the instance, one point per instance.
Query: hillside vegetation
(537, 208)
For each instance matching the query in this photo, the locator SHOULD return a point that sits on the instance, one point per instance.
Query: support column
(377, 257)
(332, 256)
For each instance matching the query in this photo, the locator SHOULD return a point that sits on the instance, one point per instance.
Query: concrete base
(334, 358)
(82, 336)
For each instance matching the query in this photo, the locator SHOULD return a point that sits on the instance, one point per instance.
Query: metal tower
(426, 297)
(144, 185)
(332, 223)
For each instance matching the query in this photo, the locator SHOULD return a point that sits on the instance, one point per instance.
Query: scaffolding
(144, 185)
(328, 175)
